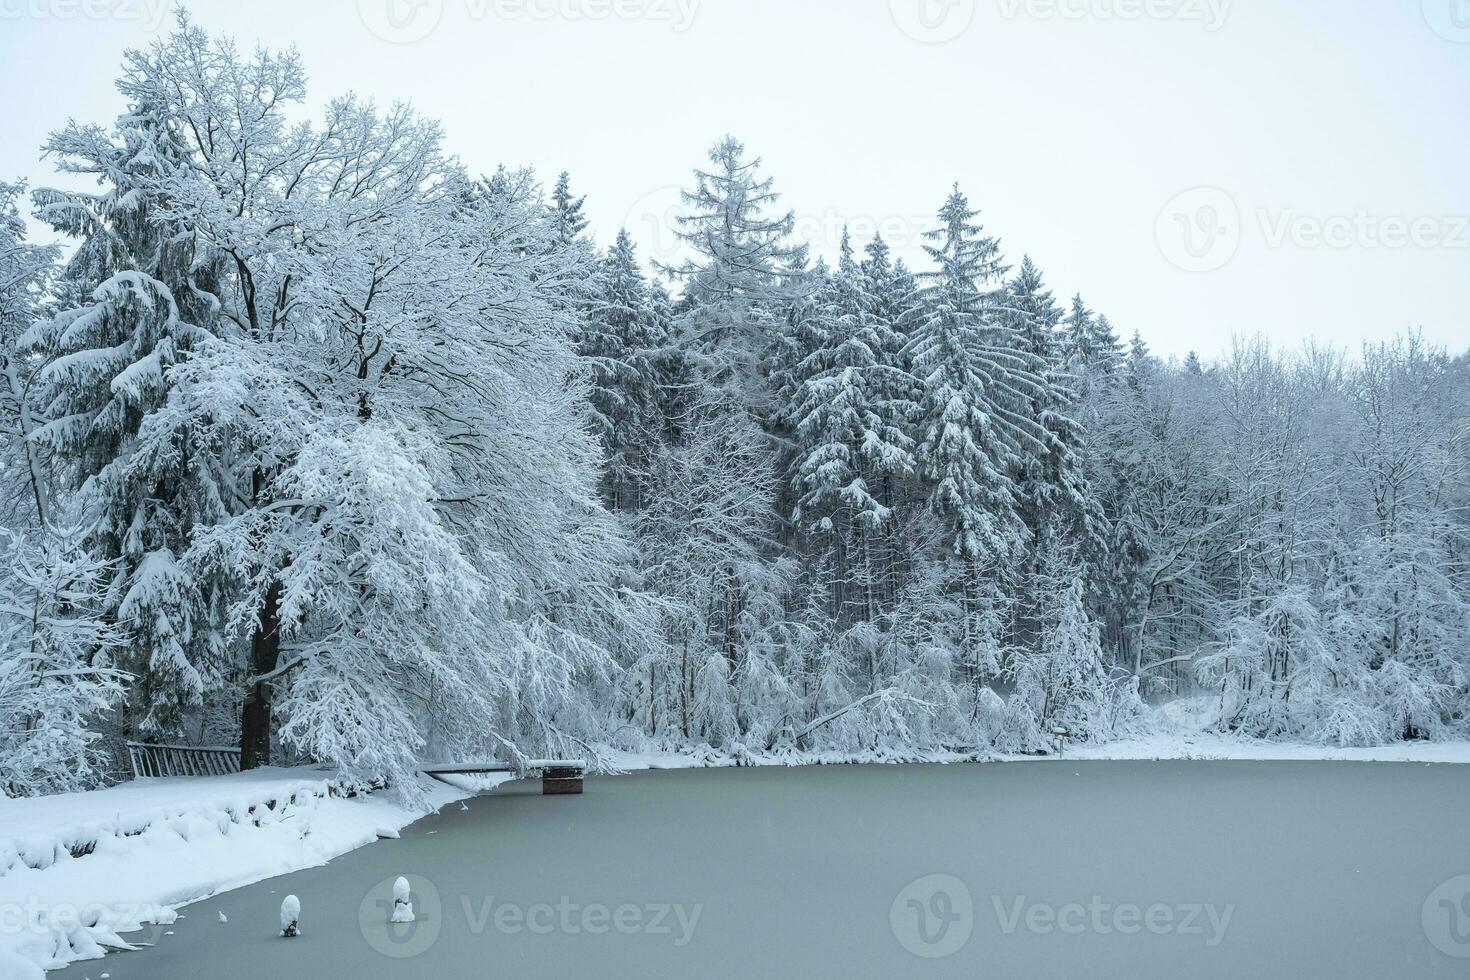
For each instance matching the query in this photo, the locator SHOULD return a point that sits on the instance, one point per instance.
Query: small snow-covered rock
(222, 917)
(402, 907)
(387, 833)
(291, 917)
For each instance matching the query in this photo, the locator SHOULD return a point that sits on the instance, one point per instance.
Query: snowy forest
(324, 443)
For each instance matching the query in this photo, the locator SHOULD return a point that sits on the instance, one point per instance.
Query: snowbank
(1209, 746)
(1161, 747)
(78, 869)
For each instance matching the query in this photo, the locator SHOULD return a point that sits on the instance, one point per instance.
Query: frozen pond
(1048, 869)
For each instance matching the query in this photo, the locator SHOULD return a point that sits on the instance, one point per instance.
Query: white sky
(1074, 124)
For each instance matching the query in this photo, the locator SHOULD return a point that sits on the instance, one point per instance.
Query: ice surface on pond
(1076, 868)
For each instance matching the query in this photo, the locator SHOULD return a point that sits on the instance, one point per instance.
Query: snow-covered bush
(57, 682)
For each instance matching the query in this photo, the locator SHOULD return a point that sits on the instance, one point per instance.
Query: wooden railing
(181, 760)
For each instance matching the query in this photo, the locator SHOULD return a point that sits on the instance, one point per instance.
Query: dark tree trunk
(265, 657)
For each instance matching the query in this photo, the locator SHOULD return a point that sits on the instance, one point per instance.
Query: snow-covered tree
(391, 422)
(974, 430)
(623, 342)
(137, 298)
(58, 682)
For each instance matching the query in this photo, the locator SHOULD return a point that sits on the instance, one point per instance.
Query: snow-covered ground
(78, 870)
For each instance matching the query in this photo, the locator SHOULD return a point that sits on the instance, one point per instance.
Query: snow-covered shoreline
(79, 870)
(1202, 747)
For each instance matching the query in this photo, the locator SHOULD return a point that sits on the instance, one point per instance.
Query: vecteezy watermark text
(935, 916)
(1101, 918)
(675, 922)
(149, 14)
(1212, 14)
(409, 21)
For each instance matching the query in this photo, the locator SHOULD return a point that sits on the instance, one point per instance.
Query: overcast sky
(1196, 168)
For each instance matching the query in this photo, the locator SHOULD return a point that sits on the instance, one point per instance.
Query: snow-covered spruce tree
(974, 426)
(1090, 343)
(57, 679)
(1109, 356)
(569, 222)
(719, 397)
(852, 439)
(853, 408)
(136, 298)
(1055, 498)
(892, 295)
(622, 341)
(26, 274)
(733, 293)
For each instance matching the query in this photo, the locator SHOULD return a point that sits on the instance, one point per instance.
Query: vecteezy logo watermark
(932, 21)
(1450, 19)
(401, 21)
(1446, 918)
(653, 221)
(409, 21)
(933, 917)
(1200, 230)
(401, 940)
(1101, 918)
(1211, 13)
(149, 14)
(662, 921)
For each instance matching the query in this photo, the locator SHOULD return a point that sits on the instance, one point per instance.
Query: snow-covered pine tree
(974, 429)
(1078, 333)
(1108, 355)
(734, 292)
(1059, 498)
(58, 684)
(852, 439)
(622, 342)
(1140, 364)
(721, 405)
(137, 298)
(570, 222)
(26, 276)
(1056, 500)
